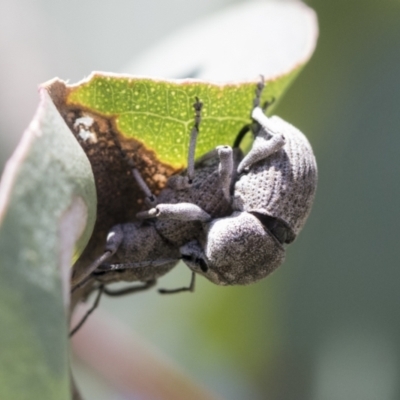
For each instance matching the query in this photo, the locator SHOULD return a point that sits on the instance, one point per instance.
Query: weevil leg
(249, 127)
(86, 275)
(267, 104)
(198, 105)
(121, 292)
(130, 289)
(80, 284)
(91, 309)
(177, 211)
(190, 288)
(256, 103)
(225, 170)
(241, 135)
(179, 182)
(267, 142)
(150, 197)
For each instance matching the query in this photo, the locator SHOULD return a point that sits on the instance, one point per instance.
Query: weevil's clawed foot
(257, 100)
(198, 105)
(259, 90)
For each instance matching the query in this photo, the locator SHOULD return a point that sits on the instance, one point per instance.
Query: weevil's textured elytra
(272, 198)
(281, 185)
(227, 217)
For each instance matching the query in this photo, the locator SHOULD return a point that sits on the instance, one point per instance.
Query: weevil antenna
(85, 276)
(241, 135)
(137, 264)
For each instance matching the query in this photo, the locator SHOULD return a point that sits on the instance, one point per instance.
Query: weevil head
(238, 250)
(139, 254)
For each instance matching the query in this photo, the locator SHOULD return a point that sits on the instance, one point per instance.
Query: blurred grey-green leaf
(47, 211)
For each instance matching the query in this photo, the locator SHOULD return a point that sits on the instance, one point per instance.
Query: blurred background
(326, 325)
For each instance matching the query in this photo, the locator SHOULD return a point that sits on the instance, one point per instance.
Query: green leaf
(159, 113)
(47, 211)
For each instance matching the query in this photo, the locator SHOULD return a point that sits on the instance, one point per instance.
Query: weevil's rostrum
(228, 216)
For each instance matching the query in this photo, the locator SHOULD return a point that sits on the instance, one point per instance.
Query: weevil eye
(203, 264)
(193, 256)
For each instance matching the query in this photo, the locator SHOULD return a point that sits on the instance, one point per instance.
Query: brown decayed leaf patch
(118, 195)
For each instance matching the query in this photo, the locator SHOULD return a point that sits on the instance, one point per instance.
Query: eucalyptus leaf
(269, 37)
(47, 212)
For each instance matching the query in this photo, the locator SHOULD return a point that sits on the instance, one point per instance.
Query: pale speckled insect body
(228, 216)
(272, 197)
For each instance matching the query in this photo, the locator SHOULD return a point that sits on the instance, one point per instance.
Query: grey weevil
(273, 193)
(228, 216)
